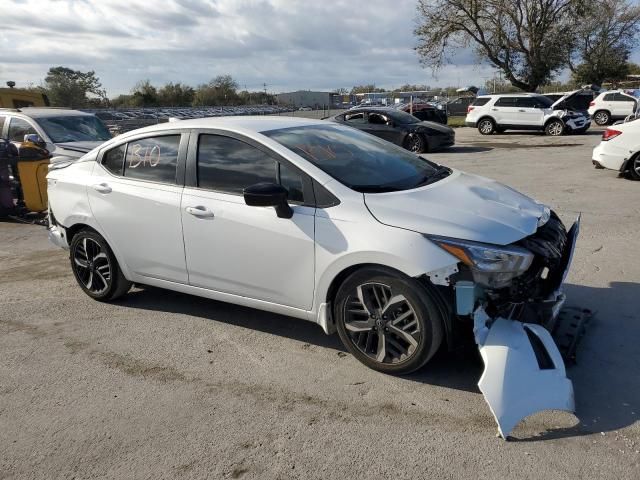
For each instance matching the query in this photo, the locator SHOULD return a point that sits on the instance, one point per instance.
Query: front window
(74, 128)
(358, 160)
(18, 128)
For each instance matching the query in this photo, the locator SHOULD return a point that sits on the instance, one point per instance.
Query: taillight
(610, 133)
(469, 108)
(591, 104)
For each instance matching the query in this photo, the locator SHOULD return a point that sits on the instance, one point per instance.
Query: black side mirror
(268, 195)
(35, 139)
(389, 123)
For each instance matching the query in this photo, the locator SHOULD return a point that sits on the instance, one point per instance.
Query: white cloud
(283, 43)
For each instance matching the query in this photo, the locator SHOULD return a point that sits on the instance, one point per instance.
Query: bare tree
(528, 40)
(607, 35)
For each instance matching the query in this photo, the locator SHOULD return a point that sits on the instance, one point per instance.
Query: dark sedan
(399, 128)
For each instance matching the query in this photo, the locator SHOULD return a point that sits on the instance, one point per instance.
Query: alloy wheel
(415, 144)
(555, 129)
(92, 266)
(486, 127)
(381, 324)
(635, 166)
(601, 118)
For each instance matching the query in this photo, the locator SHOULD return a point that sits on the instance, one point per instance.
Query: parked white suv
(525, 111)
(612, 105)
(326, 223)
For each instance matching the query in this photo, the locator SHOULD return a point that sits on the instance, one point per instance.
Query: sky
(287, 44)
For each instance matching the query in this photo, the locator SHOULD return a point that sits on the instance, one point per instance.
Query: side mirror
(35, 139)
(268, 195)
(389, 123)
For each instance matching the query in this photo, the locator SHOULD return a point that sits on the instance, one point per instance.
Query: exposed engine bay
(515, 309)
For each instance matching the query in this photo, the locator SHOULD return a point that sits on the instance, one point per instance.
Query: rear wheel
(602, 117)
(95, 267)
(555, 128)
(415, 143)
(634, 167)
(486, 126)
(387, 321)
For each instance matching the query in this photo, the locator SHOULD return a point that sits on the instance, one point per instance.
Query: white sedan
(328, 224)
(620, 149)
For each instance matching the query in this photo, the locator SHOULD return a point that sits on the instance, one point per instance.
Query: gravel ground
(163, 385)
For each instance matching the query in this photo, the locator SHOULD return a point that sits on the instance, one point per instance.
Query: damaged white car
(328, 224)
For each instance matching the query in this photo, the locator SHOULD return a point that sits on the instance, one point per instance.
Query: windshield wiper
(440, 173)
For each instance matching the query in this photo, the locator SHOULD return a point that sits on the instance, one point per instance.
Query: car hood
(462, 206)
(435, 126)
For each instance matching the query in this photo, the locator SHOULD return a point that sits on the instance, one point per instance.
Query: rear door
(381, 125)
(505, 111)
(238, 249)
(135, 194)
(624, 105)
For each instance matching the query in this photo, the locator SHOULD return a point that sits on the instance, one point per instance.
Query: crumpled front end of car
(513, 297)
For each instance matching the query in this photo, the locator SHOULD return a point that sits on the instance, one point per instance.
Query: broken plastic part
(441, 276)
(524, 372)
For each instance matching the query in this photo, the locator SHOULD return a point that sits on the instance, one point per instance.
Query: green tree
(607, 35)
(175, 95)
(70, 88)
(222, 90)
(528, 40)
(144, 94)
(371, 88)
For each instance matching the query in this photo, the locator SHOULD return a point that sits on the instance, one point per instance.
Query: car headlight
(492, 266)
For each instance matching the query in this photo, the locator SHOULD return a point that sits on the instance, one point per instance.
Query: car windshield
(358, 160)
(401, 117)
(74, 128)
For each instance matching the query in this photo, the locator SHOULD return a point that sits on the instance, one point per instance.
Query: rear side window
(506, 102)
(113, 160)
(18, 128)
(609, 97)
(153, 159)
(354, 117)
(480, 101)
(622, 98)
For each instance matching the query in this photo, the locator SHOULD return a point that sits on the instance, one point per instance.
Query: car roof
(516, 94)
(35, 112)
(257, 123)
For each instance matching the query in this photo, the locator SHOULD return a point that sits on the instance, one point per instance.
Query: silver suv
(67, 134)
(526, 111)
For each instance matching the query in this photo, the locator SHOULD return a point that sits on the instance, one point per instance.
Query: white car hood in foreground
(462, 206)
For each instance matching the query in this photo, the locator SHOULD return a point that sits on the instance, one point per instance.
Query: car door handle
(522, 110)
(102, 188)
(494, 109)
(199, 211)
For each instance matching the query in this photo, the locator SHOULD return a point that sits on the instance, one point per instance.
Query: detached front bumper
(524, 371)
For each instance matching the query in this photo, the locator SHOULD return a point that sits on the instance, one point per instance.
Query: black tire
(602, 117)
(554, 128)
(414, 142)
(634, 167)
(486, 126)
(95, 267)
(410, 327)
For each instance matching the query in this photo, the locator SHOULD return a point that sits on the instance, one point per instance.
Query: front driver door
(241, 250)
(381, 126)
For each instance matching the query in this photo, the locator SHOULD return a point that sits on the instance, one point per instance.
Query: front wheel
(634, 167)
(555, 128)
(95, 267)
(387, 321)
(415, 143)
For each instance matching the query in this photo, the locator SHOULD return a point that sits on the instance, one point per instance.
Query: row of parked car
(554, 114)
(183, 113)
